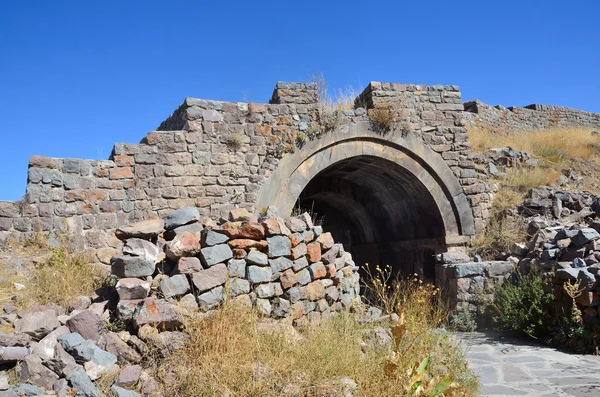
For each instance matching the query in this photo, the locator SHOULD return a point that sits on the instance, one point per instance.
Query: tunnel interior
(381, 213)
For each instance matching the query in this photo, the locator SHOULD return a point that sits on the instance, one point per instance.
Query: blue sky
(77, 76)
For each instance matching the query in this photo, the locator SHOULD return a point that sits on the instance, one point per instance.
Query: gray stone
(3, 381)
(238, 286)
(269, 290)
(237, 268)
(567, 274)
(301, 263)
(454, 257)
(174, 286)
(37, 324)
(88, 351)
(194, 228)
(157, 313)
(293, 294)
(126, 308)
(12, 354)
(120, 392)
(189, 301)
(469, 269)
(142, 248)
(264, 306)
(280, 264)
(257, 258)
(211, 299)
(24, 389)
(279, 246)
(210, 278)
(181, 217)
(584, 236)
(132, 288)
(69, 341)
(112, 343)
(216, 254)
(211, 238)
(83, 385)
(46, 347)
(132, 266)
(303, 277)
(258, 274)
(281, 307)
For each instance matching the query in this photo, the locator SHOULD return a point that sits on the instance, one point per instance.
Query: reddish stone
(246, 244)
(318, 270)
(298, 251)
(313, 252)
(295, 224)
(297, 310)
(121, 173)
(288, 279)
(232, 229)
(326, 241)
(296, 239)
(189, 265)
(331, 270)
(123, 161)
(239, 253)
(271, 226)
(184, 244)
(253, 230)
(313, 291)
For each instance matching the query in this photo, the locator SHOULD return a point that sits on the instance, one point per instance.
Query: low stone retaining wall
(283, 267)
(470, 285)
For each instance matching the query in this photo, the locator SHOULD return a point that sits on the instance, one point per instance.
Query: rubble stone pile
(283, 267)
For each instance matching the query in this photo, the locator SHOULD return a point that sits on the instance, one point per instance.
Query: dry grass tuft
(553, 146)
(523, 179)
(59, 279)
(229, 353)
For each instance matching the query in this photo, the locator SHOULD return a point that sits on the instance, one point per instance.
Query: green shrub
(463, 321)
(523, 303)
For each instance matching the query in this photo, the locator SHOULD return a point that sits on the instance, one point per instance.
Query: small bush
(500, 233)
(235, 142)
(385, 116)
(463, 321)
(524, 303)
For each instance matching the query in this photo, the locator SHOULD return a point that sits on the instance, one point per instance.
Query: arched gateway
(394, 192)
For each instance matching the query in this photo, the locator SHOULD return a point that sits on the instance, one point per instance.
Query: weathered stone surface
(313, 252)
(252, 230)
(318, 270)
(195, 228)
(12, 354)
(299, 251)
(271, 226)
(126, 308)
(125, 266)
(174, 286)
(303, 276)
(142, 248)
(280, 264)
(326, 241)
(132, 288)
(211, 299)
(264, 307)
(300, 264)
(237, 268)
(269, 290)
(259, 274)
(115, 345)
(288, 279)
(87, 324)
(238, 286)
(144, 230)
(279, 246)
(83, 384)
(295, 224)
(257, 258)
(239, 214)
(184, 244)
(37, 324)
(216, 254)
(32, 370)
(313, 291)
(188, 265)
(247, 244)
(210, 278)
(129, 375)
(158, 313)
(211, 237)
(121, 392)
(584, 236)
(181, 217)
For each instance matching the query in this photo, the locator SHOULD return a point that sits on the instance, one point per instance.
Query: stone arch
(412, 185)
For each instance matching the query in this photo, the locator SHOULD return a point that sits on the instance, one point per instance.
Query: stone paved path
(514, 367)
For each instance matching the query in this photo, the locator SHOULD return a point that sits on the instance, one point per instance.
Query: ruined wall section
(216, 155)
(532, 117)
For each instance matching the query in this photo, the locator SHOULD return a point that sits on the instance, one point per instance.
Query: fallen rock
(142, 248)
(132, 288)
(158, 313)
(181, 217)
(87, 324)
(31, 370)
(144, 230)
(184, 244)
(37, 324)
(125, 266)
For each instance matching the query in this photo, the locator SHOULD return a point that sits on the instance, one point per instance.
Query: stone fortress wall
(217, 156)
(531, 117)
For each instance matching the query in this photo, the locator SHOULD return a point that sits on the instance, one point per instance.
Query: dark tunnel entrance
(381, 213)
